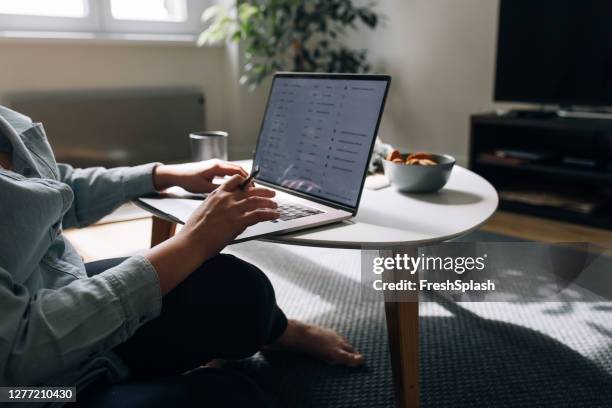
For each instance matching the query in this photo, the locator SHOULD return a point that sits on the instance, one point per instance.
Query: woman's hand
(194, 177)
(226, 213)
(214, 224)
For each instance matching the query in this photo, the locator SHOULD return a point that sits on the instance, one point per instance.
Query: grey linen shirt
(57, 325)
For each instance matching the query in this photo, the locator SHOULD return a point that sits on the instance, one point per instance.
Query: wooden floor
(127, 237)
(541, 229)
(111, 240)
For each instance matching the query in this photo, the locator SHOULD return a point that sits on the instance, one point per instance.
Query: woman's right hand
(226, 213)
(216, 223)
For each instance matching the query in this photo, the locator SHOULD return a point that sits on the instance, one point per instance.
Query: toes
(348, 359)
(347, 347)
(344, 343)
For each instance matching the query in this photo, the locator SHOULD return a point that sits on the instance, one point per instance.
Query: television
(555, 52)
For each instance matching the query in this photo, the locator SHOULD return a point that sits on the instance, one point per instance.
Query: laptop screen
(318, 132)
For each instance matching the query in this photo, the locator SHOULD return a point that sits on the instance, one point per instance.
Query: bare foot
(318, 342)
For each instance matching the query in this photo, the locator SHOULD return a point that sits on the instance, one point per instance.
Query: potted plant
(291, 35)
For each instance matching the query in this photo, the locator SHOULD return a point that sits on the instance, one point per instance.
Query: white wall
(246, 107)
(441, 54)
(54, 65)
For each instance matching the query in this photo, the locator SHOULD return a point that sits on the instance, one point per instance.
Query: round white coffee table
(388, 217)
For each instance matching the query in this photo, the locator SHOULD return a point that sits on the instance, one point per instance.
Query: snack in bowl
(421, 159)
(394, 155)
(418, 172)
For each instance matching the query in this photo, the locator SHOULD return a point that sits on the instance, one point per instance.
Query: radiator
(116, 127)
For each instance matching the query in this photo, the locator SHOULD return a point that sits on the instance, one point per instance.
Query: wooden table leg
(402, 312)
(161, 230)
(403, 332)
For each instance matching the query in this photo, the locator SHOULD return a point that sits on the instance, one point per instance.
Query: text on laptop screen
(317, 134)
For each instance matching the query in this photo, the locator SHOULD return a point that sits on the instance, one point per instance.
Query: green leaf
(203, 39)
(246, 11)
(212, 12)
(210, 37)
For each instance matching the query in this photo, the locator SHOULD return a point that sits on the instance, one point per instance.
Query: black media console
(546, 165)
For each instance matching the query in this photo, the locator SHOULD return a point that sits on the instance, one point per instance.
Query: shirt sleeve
(99, 191)
(50, 331)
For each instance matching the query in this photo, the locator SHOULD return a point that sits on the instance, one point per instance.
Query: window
(56, 8)
(153, 16)
(103, 16)
(149, 10)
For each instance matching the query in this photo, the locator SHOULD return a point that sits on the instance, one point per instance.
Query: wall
(56, 65)
(441, 55)
(246, 107)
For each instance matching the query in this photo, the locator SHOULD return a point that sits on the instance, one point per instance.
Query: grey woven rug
(471, 354)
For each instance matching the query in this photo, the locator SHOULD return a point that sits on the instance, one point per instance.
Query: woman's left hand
(194, 177)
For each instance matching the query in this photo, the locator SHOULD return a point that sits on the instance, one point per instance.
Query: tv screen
(555, 51)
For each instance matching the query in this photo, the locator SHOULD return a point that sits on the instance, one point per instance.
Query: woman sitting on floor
(124, 331)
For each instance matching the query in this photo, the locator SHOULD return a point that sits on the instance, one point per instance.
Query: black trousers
(225, 309)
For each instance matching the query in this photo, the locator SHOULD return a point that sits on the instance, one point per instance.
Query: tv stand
(583, 114)
(562, 112)
(546, 165)
(528, 113)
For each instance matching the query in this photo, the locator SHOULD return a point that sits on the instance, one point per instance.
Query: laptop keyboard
(293, 211)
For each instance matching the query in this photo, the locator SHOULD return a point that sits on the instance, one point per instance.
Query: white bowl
(412, 178)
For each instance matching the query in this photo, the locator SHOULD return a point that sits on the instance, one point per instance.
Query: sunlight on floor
(346, 262)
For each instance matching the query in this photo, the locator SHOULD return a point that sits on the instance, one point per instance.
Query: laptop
(314, 147)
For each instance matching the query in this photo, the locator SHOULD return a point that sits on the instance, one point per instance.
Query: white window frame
(191, 25)
(26, 22)
(99, 20)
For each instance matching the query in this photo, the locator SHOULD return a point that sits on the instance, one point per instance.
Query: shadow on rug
(466, 360)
